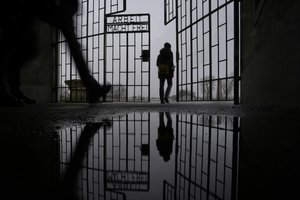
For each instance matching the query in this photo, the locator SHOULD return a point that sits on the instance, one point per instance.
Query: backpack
(163, 69)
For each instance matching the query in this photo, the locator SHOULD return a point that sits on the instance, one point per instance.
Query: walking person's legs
(94, 89)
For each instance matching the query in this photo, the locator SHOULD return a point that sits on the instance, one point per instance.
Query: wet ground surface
(149, 151)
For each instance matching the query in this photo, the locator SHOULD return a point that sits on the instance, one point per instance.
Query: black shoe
(167, 100)
(162, 101)
(10, 101)
(26, 100)
(96, 92)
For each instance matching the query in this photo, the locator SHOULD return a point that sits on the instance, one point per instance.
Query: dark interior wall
(270, 52)
(38, 75)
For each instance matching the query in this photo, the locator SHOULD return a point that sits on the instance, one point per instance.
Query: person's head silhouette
(167, 45)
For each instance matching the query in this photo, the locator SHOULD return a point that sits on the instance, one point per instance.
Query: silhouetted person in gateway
(166, 68)
(16, 18)
(165, 137)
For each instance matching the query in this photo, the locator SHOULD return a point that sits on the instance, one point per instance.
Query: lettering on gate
(127, 23)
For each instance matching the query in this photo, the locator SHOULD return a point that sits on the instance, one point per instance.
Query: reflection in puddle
(177, 156)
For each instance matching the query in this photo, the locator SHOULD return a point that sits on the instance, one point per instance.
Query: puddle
(134, 156)
(153, 155)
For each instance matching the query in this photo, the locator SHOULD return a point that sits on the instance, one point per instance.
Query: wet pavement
(149, 151)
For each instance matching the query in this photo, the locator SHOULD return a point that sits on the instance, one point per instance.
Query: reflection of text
(126, 180)
(127, 23)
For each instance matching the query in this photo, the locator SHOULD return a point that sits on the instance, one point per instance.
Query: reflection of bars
(208, 49)
(121, 150)
(128, 153)
(206, 159)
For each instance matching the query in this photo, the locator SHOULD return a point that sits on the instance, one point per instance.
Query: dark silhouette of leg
(169, 120)
(161, 89)
(168, 90)
(94, 90)
(13, 80)
(161, 120)
(69, 180)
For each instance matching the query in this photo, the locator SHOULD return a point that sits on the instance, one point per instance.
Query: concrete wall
(270, 68)
(38, 76)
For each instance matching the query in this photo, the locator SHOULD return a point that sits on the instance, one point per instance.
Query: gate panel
(89, 28)
(112, 56)
(208, 48)
(127, 37)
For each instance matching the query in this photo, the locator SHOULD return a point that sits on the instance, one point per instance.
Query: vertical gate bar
(197, 44)
(112, 63)
(218, 36)
(177, 54)
(209, 153)
(119, 56)
(105, 47)
(134, 65)
(191, 49)
(127, 67)
(165, 11)
(236, 52)
(149, 62)
(124, 5)
(190, 156)
(235, 162)
(57, 80)
(105, 159)
(210, 52)
(87, 44)
(225, 153)
(203, 57)
(127, 143)
(141, 65)
(226, 47)
(186, 49)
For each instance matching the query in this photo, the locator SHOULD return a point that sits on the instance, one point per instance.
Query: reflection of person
(165, 136)
(16, 19)
(166, 67)
(69, 179)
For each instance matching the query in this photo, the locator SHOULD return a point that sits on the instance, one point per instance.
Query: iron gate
(112, 56)
(127, 51)
(208, 49)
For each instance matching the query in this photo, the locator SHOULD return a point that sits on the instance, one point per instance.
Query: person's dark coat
(165, 57)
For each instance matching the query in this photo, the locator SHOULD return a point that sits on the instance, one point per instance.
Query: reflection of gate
(206, 158)
(116, 158)
(113, 54)
(127, 56)
(208, 49)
